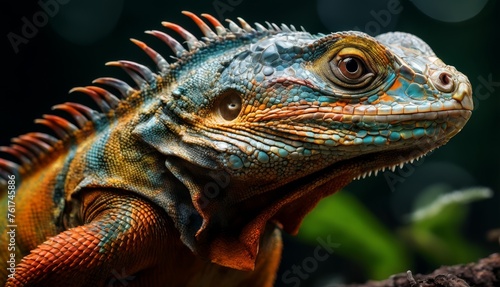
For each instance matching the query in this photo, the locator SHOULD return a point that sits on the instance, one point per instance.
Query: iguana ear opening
(228, 105)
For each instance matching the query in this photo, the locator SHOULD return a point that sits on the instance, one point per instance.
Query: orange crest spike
(124, 88)
(202, 25)
(175, 46)
(191, 40)
(103, 105)
(219, 28)
(155, 56)
(80, 119)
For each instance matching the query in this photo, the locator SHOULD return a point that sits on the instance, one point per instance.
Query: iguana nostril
(445, 78)
(443, 81)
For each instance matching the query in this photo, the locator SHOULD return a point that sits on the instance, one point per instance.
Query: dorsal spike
(285, 28)
(269, 26)
(35, 141)
(58, 130)
(80, 119)
(7, 168)
(16, 153)
(160, 62)
(276, 27)
(245, 25)
(25, 152)
(111, 99)
(175, 46)
(68, 127)
(260, 28)
(219, 28)
(139, 81)
(120, 85)
(293, 28)
(29, 153)
(191, 41)
(233, 27)
(141, 70)
(202, 25)
(89, 113)
(45, 137)
(103, 105)
(28, 145)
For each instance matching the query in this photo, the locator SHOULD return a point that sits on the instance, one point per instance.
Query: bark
(484, 273)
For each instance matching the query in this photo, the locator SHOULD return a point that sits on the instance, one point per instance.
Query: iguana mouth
(287, 205)
(402, 118)
(373, 114)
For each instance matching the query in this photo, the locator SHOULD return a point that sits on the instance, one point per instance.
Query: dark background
(69, 49)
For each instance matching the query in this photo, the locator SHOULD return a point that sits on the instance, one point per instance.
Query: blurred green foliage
(433, 230)
(361, 235)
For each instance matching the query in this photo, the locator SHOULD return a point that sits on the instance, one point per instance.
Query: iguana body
(188, 179)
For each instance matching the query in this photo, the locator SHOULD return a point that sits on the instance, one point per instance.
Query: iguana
(189, 178)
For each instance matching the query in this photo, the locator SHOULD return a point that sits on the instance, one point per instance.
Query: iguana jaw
(286, 205)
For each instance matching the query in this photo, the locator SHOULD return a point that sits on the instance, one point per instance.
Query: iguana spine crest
(30, 149)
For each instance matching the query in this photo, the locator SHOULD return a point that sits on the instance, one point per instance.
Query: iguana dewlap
(187, 178)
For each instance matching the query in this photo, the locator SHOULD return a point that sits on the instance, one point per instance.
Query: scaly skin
(188, 178)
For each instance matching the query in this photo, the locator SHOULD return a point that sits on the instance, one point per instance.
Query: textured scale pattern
(188, 176)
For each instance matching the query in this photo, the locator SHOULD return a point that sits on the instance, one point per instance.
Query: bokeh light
(450, 10)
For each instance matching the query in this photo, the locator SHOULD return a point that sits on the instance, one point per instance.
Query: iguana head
(266, 122)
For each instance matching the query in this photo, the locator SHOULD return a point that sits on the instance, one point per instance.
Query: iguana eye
(351, 71)
(349, 68)
(229, 105)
